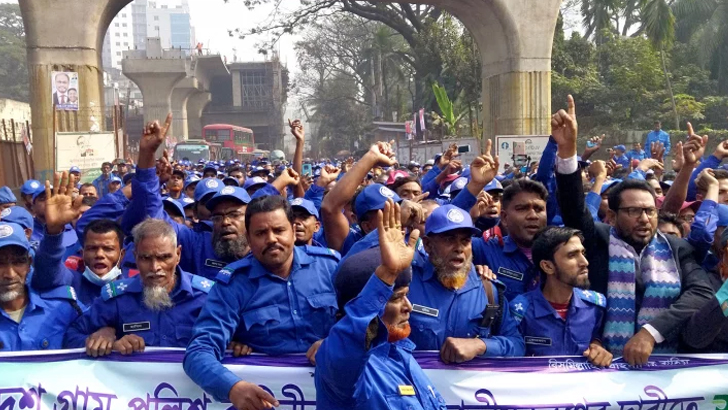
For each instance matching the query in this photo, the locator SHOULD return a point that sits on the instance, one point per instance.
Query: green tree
(13, 64)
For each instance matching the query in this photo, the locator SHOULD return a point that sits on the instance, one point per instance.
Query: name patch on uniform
(541, 341)
(405, 390)
(424, 310)
(136, 327)
(215, 264)
(510, 274)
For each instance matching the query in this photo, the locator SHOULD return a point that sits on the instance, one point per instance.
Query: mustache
(273, 247)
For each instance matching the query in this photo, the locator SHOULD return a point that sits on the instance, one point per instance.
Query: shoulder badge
(519, 306)
(62, 292)
(321, 251)
(116, 288)
(202, 283)
(595, 298)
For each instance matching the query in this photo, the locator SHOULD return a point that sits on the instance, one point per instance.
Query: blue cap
(7, 196)
(180, 172)
(74, 169)
(259, 169)
(231, 179)
(38, 192)
(458, 185)
(186, 202)
(169, 201)
(372, 198)
(620, 147)
(114, 178)
(266, 190)
(306, 205)
(209, 165)
(448, 218)
(17, 215)
(666, 184)
(251, 182)
(609, 184)
(494, 185)
(228, 193)
(191, 180)
(127, 177)
(229, 163)
(13, 234)
(722, 214)
(201, 161)
(30, 186)
(206, 187)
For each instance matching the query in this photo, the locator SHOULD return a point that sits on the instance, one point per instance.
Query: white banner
(534, 146)
(84, 150)
(155, 380)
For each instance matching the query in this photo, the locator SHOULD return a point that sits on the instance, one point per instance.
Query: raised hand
(306, 182)
(612, 166)
(650, 163)
(61, 208)
(449, 155)
(396, 254)
(597, 141)
(721, 151)
(412, 213)
(329, 173)
(383, 154)
(694, 149)
(296, 129)
(164, 168)
(481, 205)
(564, 129)
(598, 169)
(679, 159)
(484, 168)
(154, 134)
(290, 177)
(657, 151)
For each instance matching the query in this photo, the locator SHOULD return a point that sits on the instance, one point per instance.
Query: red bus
(237, 142)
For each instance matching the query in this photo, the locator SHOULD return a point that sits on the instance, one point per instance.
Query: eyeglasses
(636, 212)
(234, 215)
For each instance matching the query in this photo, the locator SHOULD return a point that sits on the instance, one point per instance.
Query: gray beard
(230, 250)
(444, 272)
(10, 296)
(157, 298)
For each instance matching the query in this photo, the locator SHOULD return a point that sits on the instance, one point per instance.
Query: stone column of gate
(196, 103)
(156, 78)
(64, 35)
(180, 96)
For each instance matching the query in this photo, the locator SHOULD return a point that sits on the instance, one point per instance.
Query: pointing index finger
(690, 129)
(571, 105)
(167, 123)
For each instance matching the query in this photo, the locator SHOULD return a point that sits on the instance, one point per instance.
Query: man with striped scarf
(652, 281)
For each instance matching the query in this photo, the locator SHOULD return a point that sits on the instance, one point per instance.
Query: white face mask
(114, 273)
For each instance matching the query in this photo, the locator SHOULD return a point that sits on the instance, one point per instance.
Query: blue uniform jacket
(69, 237)
(638, 155)
(349, 375)
(121, 306)
(45, 320)
(198, 253)
(658, 136)
(511, 266)
(711, 162)
(546, 176)
(110, 206)
(623, 161)
(102, 185)
(547, 334)
(270, 314)
(439, 313)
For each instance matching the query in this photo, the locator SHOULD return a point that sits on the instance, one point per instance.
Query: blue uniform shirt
(638, 155)
(270, 314)
(623, 160)
(512, 267)
(102, 185)
(45, 320)
(658, 136)
(547, 334)
(351, 376)
(121, 306)
(439, 313)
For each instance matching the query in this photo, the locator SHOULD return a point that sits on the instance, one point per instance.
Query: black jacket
(707, 330)
(695, 288)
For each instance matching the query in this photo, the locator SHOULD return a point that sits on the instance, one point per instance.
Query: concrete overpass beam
(182, 91)
(196, 103)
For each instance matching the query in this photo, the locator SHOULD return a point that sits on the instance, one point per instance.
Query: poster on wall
(84, 150)
(519, 150)
(64, 89)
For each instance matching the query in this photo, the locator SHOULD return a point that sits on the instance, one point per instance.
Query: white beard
(9, 296)
(157, 298)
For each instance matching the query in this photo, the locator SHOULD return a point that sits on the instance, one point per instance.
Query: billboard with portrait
(84, 150)
(64, 90)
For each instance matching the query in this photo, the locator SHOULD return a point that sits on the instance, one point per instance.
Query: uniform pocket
(183, 334)
(426, 331)
(259, 320)
(398, 402)
(323, 312)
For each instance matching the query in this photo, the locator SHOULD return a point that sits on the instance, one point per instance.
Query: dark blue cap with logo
(186, 202)
(458, 185)
(306, 205)
(170, 202)
(40, 191)
(114, 178)
(30, 186)
(373, 198)
(228, 193)
(251, 182)
(127, 177)
(493, 185)
(207, 186)
(13, 235)
(449, 218)
(17, 215)
(265, 190)
(7, 196)
(230, 180)
(74, 169)
(191, 180)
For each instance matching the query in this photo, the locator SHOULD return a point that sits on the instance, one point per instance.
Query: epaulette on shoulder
(519, 306)
(321, 251)
(202, 283)
(117, 288)
(61, 292)
(595, 298)
(227, 272)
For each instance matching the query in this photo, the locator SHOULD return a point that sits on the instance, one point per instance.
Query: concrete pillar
(182, 91)
(156, 79)
(237, 90)
(515, 39)
(196, 103)
(64, 35)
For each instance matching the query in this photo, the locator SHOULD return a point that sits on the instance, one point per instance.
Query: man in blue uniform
(657, 135)
(563, 317)
(366, 361)
(279, 299)
(29, 320)
(454, 311)
(306, 224)
(7, 198)
(156, 308)
(19, 215)
(621, 158)
(523, 214)
(26, 193)
(102, 182)
(69, 236)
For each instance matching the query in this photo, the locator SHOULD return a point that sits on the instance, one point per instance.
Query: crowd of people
(361, 262)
